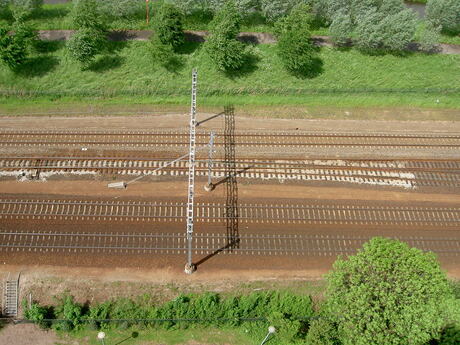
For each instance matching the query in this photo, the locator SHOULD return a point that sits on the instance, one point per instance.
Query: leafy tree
(322, 332)
(85, 44)
(168, 25)
(340, 29)
(24, 8)
(121, 8)
(444, 13)
(87, 14)
(14, 48)
(273, 10)
(223, 48)
(90, 39)
(429, 38)
(295, 47)
(388, 293)
(4, 7)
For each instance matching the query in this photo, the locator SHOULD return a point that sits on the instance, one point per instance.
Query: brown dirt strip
(200, 36)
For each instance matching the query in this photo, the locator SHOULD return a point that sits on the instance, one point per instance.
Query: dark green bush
(87, 14)
(227, 53)
(295, 47)
(444, 13)
(85, 44)
(24, 8)
(168, 25)
(14, 48)
(322, 332)
(70, 311)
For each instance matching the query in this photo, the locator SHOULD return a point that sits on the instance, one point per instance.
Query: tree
(121, 8)
(90, 39)
(388, 293)
(444, 13)
(340, 29)
(24, 8)
(168, 25)
(227, 53)
(273, 10)
(87, 14)
(295, 47)
(4, 7)
(85, 44)
(429, 38)
(14, 48)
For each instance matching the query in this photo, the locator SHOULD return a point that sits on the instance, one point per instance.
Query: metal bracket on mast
(189, 266)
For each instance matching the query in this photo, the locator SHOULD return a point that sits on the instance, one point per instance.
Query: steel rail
(305, 214)
(249, 243)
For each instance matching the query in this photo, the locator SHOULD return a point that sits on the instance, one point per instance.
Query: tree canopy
(388, 293)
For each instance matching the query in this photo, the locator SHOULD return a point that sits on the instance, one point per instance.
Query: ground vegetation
(444, 13)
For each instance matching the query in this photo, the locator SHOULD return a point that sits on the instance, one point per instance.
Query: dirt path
(200, 36)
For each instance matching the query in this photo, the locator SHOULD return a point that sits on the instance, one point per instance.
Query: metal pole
(147, 11)
(209, 187)
(190, 267)
(265, 339)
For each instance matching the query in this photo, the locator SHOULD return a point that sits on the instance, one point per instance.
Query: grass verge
(340, 80)
(216, 336)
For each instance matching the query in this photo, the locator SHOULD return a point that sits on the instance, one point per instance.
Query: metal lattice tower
(189, 267)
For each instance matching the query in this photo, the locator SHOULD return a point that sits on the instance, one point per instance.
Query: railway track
(205, 244)
(313, 214)
(404, 173)
(142, 139)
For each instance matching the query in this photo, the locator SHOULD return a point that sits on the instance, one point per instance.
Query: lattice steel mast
(189, 266)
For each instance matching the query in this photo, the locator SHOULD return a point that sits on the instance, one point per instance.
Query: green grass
(167, 337)
(346, 78)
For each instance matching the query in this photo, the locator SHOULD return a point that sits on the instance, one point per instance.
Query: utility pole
(189, 266)
(147, 10)
(209, 187)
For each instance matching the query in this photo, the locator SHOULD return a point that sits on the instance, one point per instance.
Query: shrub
(4, 7)
(388, 293)
(87, 14)
(24, 8)
(85, 44)
(168, 25)
(429, 38)
(273, 10)
(225, 51)
(322, 332)
(398, 30)
(444, 13)
(70, 311)
(37, 314)
(121, 8)
(294, 41)
(14, 48)
(340, 30)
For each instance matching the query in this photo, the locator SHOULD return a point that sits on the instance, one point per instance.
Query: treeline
(388, 293)
(370, 24)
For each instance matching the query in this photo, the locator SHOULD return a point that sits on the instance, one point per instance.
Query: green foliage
(388, 293)
(295, 47)
(87, 14)
(273, 10)
(444, 13)
(85, 44)
(450, 335)
(14, 48)
(340, 29)
(429, 38)
(70, 311)
(122, 8)
(4, 7)
(24, 8)
(168, 25)
(322, 332)
(225, 51)
(36, 313)
(162, 54)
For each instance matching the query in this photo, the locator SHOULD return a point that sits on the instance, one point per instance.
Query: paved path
(199, 36)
